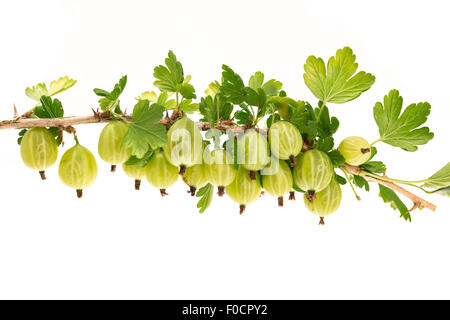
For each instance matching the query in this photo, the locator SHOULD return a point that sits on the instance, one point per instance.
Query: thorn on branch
(96, 114)
(16, 114)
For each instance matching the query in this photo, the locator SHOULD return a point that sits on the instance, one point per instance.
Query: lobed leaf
(256, 81)
(147, 95)
(440, 179)
(55, 87)
(140, 162)
(49, 108)
(374, 166)
(402, 129)
(188, 106)
(170, 75)
(336, 83)
(144, 133)
(336, 158)
(270, 88)
(325, 144)
(232, 85)
(213, 89)
(215, 109)
(340, 179)
(205, 194)
(389, 196)
(444, 192)
(60, 85)
(110, 100)
(360, 182)
(186, 90)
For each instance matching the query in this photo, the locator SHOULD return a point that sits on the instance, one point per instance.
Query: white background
(118, 243)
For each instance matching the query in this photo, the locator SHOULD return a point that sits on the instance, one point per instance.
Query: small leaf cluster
(48, 107)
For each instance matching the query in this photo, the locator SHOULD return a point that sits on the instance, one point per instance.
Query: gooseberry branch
(417, 201)
(68, 122)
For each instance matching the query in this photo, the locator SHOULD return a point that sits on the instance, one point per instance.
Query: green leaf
(336, 158)
(163, 100)
(21, 134)
(205, 194)
(243, 117)
(256, 81)
(373, 152)
(186, 90)
(57, 134)
(37, 91)
(326, 126)
(255, 97)
(360, 182)
(440, 179)
(55, 87)
(374, 166)
(340, 179)
(150, 96)
(299, 117)
(60, 85)
(49, 108)
(188, 106)
(325, 144)
(272, 119)
(169, 76)
(336, 83)
(444, 192)
(140, 162)
(215, 109)
(284, 105)
(110, 100)
(144, 133)
(311, 128)
(389, 196)
(304, 118)
(213, 89)
(402, 130)
(272, 87)
(232, 85)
